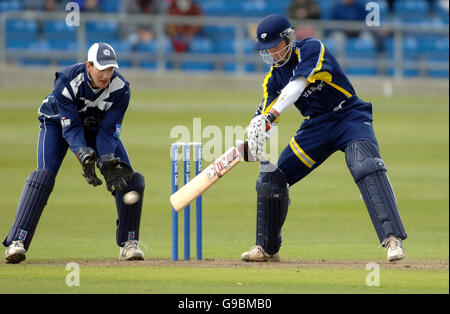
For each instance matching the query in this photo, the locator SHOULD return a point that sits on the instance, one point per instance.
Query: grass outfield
(327, 239)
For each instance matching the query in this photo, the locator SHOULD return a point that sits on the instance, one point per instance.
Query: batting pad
(34, 197)
(272, 207)
(370, 174)
(129, 216)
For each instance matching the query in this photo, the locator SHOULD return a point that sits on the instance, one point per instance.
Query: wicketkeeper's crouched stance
(84, 113)
(306, 74)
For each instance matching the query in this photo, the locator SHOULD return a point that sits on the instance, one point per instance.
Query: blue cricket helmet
(271, 30)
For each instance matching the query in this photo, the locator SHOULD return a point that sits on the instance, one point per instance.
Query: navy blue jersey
(87, 112)
(327, 88)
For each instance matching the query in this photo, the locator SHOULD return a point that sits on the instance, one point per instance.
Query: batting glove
(257, 134)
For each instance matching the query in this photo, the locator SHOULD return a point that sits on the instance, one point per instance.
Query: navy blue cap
(270, 31)
(103, 56)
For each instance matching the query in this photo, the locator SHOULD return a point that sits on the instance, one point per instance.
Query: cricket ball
(131, 197)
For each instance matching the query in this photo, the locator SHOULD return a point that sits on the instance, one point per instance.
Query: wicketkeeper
(307, 75)
(84, 113)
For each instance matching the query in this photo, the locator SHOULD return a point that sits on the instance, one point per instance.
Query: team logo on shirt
(65, 122)
(23, 235)
(118, 130)
(312, 88)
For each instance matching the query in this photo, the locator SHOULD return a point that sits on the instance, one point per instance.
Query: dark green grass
(114, 279)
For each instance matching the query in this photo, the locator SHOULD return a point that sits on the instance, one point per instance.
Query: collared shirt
(85, 111)
(328, 87)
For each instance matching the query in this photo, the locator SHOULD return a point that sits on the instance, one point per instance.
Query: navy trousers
(321, 136)
(52, 146)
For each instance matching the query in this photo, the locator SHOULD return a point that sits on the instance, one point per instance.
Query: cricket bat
(199, 184)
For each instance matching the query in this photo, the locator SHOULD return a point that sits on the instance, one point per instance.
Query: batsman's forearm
(290, 93)
(274, 112)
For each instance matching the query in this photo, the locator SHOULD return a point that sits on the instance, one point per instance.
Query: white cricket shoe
(130, 251)
(394, 248)
(15, 252)
(257, 254)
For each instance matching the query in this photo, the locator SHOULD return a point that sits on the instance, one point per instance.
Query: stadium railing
(225, 44)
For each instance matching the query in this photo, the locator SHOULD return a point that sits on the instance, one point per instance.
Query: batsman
(305, 73)
(84, 113)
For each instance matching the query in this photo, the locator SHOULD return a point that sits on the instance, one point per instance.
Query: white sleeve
(290, 93)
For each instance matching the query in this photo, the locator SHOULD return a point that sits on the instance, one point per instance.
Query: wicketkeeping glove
(87, 156)
(115, 171)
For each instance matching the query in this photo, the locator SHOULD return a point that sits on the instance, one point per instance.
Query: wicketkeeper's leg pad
(129, 216)
(32, 201)
(370, 174)
(272, 207)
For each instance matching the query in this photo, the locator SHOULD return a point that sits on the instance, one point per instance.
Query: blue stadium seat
(330, 44)
(152, 65)
(436, 51)
(361, 50)
(225, 46)
(408, 10)
(214, 7)
(121, 46)
(110, 6)
(201, 45)
(440, 12)
(219, 32)
(254, 8)
(124, 64)
(326, 7)
(411, 53)
(249, 46)
(276, 7)
(10, 5)
(63, 45)
(411, 7)
(59, 30)
(415, 19)
(66, 62)
(37, 46)
(248, 8)
(230, 67)
(150, 46)
(33, 62)
(21, 30)
(411, 48)
(234, 8)
(102, 31)
(17, 43)
(118, 45)
(148, 65)
(197, 66)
